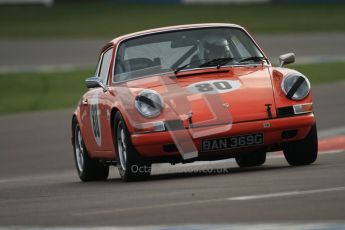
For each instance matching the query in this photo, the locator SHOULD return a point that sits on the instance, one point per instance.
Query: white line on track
(236, 198)
(144, 208)
(282, 194)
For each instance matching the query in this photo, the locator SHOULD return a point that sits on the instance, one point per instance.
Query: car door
(94, 114)
(105, 98)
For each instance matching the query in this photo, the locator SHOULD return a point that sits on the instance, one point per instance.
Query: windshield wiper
(214, 62)
(217, 62)
(254, 58)
(178, 69)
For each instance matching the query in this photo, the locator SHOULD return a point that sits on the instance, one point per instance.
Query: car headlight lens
(295, 86)
(149, 103)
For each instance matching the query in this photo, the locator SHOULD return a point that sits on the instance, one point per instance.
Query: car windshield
(184, 49)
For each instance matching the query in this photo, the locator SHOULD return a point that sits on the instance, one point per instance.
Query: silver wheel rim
(121, 145)
(79, 149)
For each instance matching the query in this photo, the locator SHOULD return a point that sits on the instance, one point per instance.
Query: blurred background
(46, 38)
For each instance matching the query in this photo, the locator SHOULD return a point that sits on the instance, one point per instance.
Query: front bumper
(154, 144)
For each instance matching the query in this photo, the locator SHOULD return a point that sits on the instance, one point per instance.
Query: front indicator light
(149, 127)
(303, 108)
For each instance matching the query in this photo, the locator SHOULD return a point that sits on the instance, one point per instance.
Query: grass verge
(322, 73)
(22, 92)
(110, 20)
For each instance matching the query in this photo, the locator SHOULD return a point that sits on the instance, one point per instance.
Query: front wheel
(132, 167)
(88, 169)
(302, 152)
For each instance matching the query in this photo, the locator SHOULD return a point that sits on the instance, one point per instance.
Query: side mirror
(286, 59)
(94, 82)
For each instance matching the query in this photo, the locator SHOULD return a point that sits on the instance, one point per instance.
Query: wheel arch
(113, 112)
(73, 124)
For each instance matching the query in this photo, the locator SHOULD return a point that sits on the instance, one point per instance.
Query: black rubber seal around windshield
(202, 73)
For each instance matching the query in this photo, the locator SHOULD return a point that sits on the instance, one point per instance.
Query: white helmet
(213, 46)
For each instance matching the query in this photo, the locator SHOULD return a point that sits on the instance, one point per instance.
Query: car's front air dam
(151, 144)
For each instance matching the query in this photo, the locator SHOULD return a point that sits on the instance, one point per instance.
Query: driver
(212, 47)
(209, 48)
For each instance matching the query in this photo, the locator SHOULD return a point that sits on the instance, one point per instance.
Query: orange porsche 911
(190, 93)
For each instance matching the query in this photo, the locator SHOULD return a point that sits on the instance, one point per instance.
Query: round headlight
(295, 86)
(149, 103)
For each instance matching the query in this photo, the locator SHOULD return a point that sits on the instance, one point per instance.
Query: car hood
(211, 96)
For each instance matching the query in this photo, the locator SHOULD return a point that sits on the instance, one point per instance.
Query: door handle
(85, 101)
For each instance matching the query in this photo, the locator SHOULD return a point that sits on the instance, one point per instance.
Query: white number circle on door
(214, 86)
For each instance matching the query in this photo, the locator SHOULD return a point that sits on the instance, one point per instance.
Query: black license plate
(232, 142)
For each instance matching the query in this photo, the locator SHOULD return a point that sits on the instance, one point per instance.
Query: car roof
(171, 28)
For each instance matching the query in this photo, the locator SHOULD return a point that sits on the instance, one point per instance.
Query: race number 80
(215, 86)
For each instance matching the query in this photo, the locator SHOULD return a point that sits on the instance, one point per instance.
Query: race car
(189, 93)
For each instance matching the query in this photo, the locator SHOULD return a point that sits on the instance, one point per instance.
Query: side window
(104, 65)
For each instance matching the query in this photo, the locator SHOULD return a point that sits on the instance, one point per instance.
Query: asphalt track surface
(64, 54)
(39, 185)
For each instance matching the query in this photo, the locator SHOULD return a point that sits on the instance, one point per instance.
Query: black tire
(89, 169)
(251, 159)
(302, 152)
(131, 166)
